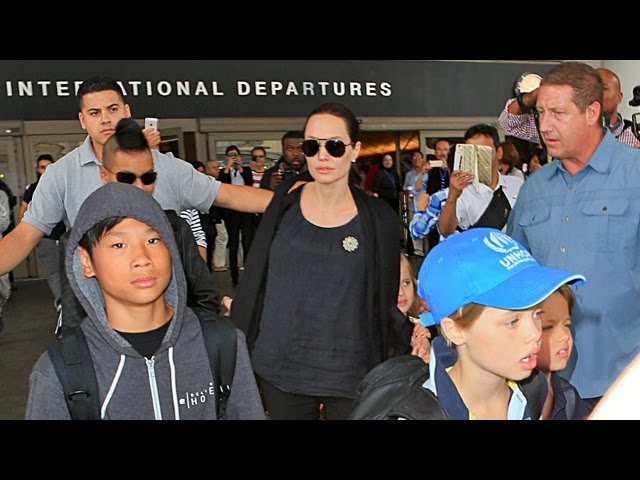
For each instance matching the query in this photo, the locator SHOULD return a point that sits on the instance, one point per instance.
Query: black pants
(238, 222)
(292, 406)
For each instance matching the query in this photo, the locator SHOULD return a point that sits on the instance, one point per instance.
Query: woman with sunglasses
(319, 297)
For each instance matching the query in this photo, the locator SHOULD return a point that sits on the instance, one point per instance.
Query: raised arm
(517, 123)
(448, 222)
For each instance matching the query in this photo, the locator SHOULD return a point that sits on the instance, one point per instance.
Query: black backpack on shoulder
(73, 365)
(393, 390)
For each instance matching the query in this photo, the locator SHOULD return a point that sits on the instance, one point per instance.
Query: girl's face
(407, 290)
(504, 343)
(557, 341)
(387, 161)
(534, 164)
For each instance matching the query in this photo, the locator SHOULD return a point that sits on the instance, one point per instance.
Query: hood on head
(121, 200)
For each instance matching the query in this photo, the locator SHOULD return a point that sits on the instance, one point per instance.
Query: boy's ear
(85, 263)
(453, 331)
(103, 174)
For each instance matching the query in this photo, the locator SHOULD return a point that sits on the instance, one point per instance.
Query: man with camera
(237, 222)
(292, 162)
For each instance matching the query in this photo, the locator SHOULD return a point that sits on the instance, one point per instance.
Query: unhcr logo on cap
(500, 242)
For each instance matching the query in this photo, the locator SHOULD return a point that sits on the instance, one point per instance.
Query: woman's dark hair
(95, 233)
(541, 154)
(510, 156)
(339, 110)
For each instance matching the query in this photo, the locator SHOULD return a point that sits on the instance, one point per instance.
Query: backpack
(73, 365)
(393, 390)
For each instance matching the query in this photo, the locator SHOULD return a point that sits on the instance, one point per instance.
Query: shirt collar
(502, 181)
(86, 153)
(600, 160)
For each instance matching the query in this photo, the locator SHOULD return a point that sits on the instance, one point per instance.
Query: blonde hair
(414, 309)
(464, 318)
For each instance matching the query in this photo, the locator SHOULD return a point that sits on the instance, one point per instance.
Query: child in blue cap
(484, 289)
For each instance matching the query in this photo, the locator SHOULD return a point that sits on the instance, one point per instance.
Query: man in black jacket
(291, 164)
(237, 222)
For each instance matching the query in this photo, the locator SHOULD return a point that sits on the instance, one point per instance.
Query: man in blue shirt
(581, 212)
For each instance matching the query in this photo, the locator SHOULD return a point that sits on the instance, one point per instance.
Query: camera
(635, 118)
(287, 173)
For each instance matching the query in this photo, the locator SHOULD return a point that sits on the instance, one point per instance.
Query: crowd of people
(524, 306)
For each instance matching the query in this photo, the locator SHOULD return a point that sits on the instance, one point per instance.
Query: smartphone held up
(151, 122)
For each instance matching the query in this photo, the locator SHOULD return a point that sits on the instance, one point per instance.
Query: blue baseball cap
(487, 267)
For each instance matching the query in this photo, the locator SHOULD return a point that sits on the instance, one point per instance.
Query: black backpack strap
(73, 365)
(220, 339)
(496, 213)
(535, 391)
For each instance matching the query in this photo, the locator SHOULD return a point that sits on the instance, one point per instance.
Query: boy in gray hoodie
(147, 347)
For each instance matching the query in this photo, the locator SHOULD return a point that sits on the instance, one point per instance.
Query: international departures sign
(45, 89)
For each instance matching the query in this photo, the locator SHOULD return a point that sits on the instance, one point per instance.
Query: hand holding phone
(151, 122)
(477, 159)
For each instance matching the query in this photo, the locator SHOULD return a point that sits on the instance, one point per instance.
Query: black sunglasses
(255, 157)
(147, 178)
(335, 148)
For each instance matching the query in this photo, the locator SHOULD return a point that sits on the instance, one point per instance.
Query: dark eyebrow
(97, 109)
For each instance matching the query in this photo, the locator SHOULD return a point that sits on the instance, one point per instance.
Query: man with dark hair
(466, 205)
(291, 163)
(238, 223)
(71, 179)
(581, 212)
(466, 202)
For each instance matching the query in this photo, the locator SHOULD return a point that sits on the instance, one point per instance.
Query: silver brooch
(350, 244)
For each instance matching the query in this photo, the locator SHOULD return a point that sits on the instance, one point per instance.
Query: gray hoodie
(176, 383)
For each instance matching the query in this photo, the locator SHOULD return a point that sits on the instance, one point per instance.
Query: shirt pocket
(535, 224)
(605, 224)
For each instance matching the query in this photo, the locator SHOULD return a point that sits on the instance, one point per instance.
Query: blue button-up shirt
(589, 223)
